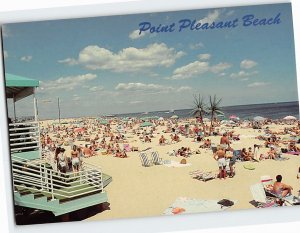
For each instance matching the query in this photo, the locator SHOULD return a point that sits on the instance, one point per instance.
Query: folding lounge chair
(260, 198)
(144, 160)
(155, 158)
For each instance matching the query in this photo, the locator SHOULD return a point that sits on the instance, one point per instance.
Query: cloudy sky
(104, 65)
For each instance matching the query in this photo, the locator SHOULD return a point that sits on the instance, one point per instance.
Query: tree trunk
(202, 124)
(211, 123)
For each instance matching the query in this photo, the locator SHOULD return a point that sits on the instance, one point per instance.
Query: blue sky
(102, 65)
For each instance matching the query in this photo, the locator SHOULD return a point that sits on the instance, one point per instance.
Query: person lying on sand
(293, 148)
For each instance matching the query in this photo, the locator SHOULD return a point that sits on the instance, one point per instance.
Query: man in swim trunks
(280, 188)
(224, 141)
(220, 156)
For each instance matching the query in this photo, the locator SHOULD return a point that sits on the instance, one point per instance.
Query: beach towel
(172, 163)
(292, 153)
(183, 205)
(249, 166)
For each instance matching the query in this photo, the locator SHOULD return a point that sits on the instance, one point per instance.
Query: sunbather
(280, 188)
(162, 140)
(245, 155)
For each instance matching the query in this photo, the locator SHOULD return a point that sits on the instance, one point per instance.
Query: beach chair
(156, 159)
(260, 198)
(144, 160)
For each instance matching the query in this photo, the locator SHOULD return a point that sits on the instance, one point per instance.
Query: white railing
(38, 176)
(24, 136)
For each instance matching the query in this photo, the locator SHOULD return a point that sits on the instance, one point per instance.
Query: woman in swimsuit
(75, 159)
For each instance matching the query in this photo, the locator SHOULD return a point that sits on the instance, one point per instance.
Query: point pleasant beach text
(249, 20)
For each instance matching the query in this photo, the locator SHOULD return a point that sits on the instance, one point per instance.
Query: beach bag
(183, 161)
(226, 202)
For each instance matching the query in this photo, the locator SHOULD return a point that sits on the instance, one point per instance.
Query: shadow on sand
(27, 216)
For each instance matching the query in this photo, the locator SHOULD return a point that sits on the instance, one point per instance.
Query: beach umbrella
(161, 119)
(79, 130)
(289, 118)
(146, 124)
(104, 122)
(233, 117)
(206, 119)
(220, 115)
(174, 117)
(259, 118)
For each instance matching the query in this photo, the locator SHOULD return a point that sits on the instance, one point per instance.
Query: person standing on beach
(224, 142)
(220, 157)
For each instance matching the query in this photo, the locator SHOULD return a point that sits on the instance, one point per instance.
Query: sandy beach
(138, 191)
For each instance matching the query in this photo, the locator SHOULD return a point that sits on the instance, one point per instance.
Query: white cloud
(149, 88)
(198, 68)
(211, 17)
(258, 84)
(247, 64)
(219, 68)
(129, 59)
(76, 98)
(135, 35)
(204, 56)
(139, 87)
(184, 88)
(243, 74)
(96, 88)
(67, 83)
(26, 58)
(136, 102)
(68, 61)
(196, 46)
(5, 54)
(190, 70)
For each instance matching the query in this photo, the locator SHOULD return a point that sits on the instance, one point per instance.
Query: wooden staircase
(38, 186)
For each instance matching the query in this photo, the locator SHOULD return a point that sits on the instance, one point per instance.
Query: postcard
(154, 114)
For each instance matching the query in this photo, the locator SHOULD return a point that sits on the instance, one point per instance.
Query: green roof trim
(12, 80)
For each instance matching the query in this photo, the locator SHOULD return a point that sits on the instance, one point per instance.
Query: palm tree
(214, 108)
(200, 109)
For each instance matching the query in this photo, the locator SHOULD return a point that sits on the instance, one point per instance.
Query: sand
(138, 191)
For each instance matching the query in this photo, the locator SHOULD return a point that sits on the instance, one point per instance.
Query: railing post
(51, 185)
(41, 174)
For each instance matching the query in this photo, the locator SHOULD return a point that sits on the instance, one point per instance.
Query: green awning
(12, 80)
(18, 87)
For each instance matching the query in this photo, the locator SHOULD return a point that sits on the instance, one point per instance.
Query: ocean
(269, 110)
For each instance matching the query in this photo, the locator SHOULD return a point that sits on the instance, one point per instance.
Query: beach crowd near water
(236, 153)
